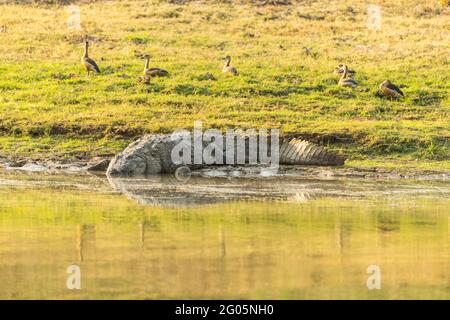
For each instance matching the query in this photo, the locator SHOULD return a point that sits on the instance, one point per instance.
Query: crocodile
(152, 154)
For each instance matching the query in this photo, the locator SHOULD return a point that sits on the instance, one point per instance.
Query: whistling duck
(229, 69)
(347, 82)
(340, 70)
(391, 90)
(87, 62)
(152, 72)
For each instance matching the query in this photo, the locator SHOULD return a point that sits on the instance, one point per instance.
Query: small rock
(17, 163)
(31, 167)
(100, 166)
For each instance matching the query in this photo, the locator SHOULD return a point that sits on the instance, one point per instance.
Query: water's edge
(99, 166)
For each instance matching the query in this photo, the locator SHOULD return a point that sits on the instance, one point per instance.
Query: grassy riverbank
(285, 55)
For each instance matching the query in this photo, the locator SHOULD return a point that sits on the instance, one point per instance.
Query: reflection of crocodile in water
(219, 184)
(166, 190)
(152, 154)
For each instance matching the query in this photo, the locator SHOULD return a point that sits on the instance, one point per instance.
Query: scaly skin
(152, 155)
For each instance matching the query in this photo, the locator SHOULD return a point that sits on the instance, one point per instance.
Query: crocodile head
(139, 158)
(127, 165)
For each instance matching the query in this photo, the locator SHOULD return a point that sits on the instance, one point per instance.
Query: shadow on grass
(280, 92)
(342, 93)
(188, 89)
(425, 98)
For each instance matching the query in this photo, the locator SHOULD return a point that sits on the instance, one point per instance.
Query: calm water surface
(222, 238)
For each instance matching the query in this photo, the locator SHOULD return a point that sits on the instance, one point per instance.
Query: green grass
(50, 108)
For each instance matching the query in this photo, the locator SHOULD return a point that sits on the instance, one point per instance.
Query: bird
(340, 70)
(227, 68)
(152, 72)
(347, 82)
(391, 90)
(87, 62)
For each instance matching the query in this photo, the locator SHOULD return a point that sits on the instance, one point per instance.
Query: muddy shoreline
(99, 166)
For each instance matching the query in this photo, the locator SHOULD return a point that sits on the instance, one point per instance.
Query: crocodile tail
(302, 152)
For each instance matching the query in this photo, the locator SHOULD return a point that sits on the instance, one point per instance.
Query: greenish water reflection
(316, 248)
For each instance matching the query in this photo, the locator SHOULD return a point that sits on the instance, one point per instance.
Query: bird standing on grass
(340, 70)
(347, 82)
(152, 72)
(390, 90)
(227, 68)
(87, 62)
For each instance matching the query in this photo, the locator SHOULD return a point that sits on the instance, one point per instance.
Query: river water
(223, 237)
